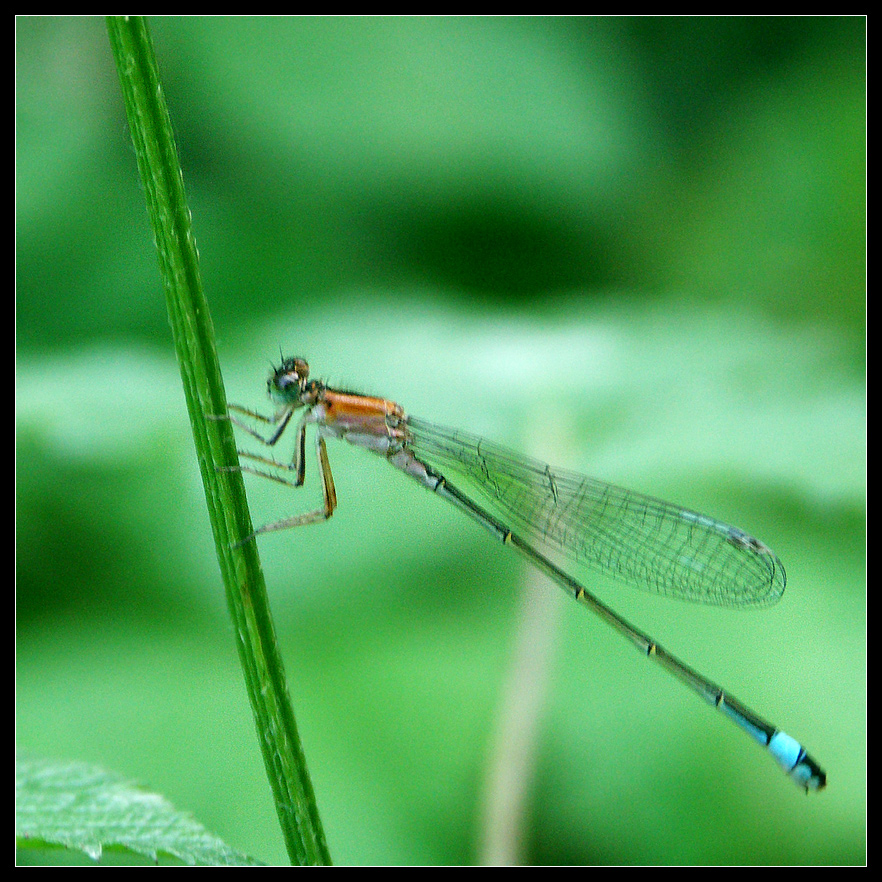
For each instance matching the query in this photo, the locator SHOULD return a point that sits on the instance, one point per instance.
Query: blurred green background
(629, 246)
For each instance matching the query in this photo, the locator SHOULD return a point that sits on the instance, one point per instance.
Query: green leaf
(85, 807)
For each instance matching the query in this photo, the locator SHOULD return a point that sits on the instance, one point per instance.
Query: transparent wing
(650, 544)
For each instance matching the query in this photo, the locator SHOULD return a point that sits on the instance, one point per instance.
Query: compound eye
(285, 380)
(295, 367)
(291, 373)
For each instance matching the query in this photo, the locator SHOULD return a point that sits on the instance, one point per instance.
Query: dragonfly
(555, 518)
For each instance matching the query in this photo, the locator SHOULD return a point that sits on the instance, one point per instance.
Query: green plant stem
(215, 445)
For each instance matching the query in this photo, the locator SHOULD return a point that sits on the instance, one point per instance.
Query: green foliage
(86, 808)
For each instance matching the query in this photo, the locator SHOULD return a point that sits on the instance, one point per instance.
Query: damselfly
(548, 515)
